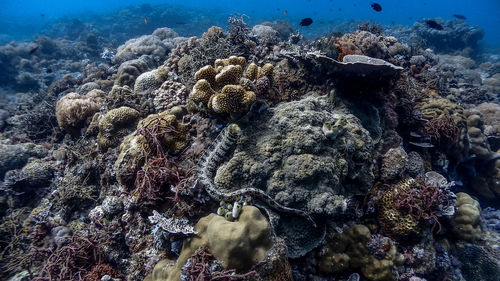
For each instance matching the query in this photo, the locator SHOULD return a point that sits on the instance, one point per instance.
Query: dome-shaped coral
(72, 109)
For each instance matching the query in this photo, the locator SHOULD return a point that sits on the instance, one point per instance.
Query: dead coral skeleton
(171, 225)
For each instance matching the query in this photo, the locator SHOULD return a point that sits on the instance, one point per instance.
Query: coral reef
(115, 125)
(369, 44)
(170, 94)
(466, 224)
(348, 251)
(72, 109)
(491, 118)
(404, 206)
(157, 45)
(303, 168)
(163, 133)
(454, 35)
(340, 162)
(237, 245)
(224, 89)
(15, 156)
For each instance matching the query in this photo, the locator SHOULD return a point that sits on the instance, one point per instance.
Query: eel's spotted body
(207, 168)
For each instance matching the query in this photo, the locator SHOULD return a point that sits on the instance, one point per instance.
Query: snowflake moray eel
(207, 168)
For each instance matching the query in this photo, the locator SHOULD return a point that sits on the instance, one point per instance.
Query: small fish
(433, 24)
(285, 12)
(277, 9)
(376, 7)
(306, 22)
(145, 20)
(42, 15)
(34, 49)
(180, 22)
(458, 16)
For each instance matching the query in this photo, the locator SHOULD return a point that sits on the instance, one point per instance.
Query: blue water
(24, 19)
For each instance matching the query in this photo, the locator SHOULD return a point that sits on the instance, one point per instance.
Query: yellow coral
(347, 251)
(207, 72)
(266, 70)
(174, 137)
(224, 89)
(116, 124)
(202, 91)
(230, 74)
(233, 99)
(237, 245)
(394, 222)
(466, 224)
(252, 71)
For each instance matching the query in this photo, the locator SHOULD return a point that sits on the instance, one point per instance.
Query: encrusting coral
(72, 109)
(115, 125)
(404, 206)
(163, 133)
(347, 252)
(227, 88)
(237, 245)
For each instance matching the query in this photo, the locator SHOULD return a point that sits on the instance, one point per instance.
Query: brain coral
(286, 153)
(72, 109)
(115, 125)
(237, 245)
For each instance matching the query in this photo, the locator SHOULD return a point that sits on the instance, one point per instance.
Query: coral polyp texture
(466, 224)
(405, 206)
(249, 152)
(73, 109)
(163, 133)
(237, 245)
(227, 88)
(115, 125)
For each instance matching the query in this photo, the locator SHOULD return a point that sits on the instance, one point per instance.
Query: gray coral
(286, 153)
